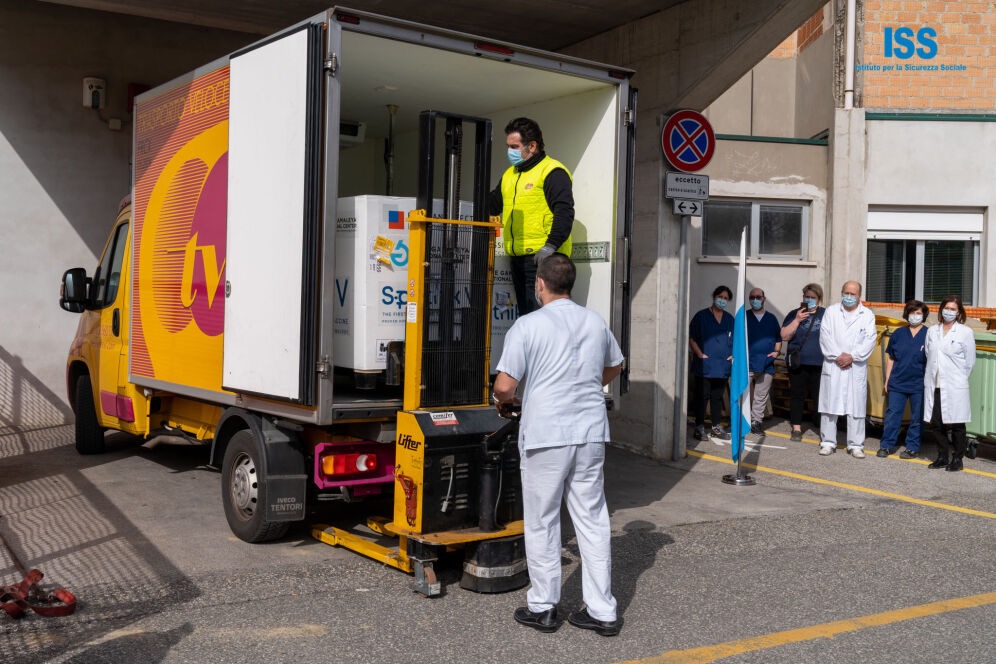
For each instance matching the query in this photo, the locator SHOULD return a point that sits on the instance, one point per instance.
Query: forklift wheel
(244, 491)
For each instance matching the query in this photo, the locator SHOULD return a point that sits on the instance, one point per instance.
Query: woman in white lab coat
(950, 358)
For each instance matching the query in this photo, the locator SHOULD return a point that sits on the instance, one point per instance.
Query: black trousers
(712, 390)
(524, 282)
(958, 439)
(803, 382)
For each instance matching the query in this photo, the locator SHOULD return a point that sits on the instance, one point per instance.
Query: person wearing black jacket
(801, 332)
(535, 199)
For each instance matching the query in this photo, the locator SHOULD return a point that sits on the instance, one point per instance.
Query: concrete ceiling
(545, 24)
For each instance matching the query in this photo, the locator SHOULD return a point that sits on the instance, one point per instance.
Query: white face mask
(915, 319)
(948, 315)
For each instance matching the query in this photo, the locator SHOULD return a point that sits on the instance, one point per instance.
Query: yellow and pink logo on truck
(180, 222)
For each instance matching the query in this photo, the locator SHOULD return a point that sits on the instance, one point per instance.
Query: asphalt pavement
(824, 559)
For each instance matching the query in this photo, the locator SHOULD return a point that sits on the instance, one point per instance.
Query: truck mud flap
(285, 497)
(285, 483)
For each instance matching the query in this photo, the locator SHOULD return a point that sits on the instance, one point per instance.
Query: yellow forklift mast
(456, 468)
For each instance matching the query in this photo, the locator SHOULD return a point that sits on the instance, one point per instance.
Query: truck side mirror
(73, 294)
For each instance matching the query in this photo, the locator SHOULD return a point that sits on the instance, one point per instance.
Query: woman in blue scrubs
(904, 370)
(710, 336)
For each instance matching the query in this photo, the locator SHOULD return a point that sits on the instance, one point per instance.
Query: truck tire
(244, 491)
(89, 434)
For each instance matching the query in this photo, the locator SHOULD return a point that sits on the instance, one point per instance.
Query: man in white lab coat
(847, 340)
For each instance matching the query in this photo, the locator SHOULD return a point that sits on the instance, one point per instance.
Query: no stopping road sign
(688, 141)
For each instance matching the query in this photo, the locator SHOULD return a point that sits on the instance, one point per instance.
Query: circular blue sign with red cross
(688, 140)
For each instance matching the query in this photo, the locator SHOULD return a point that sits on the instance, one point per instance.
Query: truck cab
(97, 366)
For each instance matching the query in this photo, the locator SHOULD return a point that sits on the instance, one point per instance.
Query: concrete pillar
(848, 214)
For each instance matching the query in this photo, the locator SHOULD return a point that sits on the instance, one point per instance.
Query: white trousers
(855, 431)
(549, 476)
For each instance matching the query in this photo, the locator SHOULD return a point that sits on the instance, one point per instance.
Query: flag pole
(740, 379)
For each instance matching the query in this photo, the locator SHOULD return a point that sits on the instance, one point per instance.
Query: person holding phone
(801, 333)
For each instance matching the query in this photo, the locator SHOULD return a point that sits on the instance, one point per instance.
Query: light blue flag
(740, 381)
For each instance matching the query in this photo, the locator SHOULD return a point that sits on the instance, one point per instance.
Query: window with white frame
(923, 255)
(777, 230)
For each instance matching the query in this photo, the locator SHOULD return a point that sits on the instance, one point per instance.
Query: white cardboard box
(371, 269)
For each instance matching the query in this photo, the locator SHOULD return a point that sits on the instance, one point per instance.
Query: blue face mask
(756, 304)
(810, 302)
(720, 303)
(848, 300)
(515, 157)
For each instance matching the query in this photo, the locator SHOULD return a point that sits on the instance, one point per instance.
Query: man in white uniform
(847, 340)
(562, 354)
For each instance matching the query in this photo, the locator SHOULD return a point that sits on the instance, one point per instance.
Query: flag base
(739, 480)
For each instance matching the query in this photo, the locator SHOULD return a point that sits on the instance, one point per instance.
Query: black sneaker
(755, 428)
(580, 618)
(906, 454)
(700, 433)
(884, 452)
(543, 621)
(719, 433)
(796, 436)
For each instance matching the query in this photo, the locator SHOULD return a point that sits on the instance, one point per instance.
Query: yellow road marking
(825, 631)
(844, 485)
(970, 471)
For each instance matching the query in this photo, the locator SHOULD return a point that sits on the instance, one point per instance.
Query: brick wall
(961, 75)
(807, 33)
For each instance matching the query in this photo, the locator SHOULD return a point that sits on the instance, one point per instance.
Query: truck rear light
(337, 465)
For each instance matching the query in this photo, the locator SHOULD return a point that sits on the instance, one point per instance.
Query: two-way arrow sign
(688, 208)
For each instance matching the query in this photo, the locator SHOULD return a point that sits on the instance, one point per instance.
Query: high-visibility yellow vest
(526, 217)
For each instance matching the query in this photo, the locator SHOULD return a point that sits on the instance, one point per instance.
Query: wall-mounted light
(94, 92)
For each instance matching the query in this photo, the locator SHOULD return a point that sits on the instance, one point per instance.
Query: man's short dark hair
(528, 130)
(558, 273)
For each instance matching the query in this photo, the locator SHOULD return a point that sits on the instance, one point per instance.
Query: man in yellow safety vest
(536, 203)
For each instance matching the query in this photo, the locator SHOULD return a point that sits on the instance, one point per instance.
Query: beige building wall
(65, 170)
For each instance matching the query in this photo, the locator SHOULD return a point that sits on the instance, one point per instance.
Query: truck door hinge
(323, 367)
(628, 117)
(332, 64)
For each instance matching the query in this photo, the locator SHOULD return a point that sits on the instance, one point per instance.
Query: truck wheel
(89, 434)
(244, 491)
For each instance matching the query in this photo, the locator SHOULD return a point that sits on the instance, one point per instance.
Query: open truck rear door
(274, 216)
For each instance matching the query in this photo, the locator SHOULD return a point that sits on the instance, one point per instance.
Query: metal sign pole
(681, 353)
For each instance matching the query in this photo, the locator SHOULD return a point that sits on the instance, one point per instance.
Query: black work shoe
(955, 464)
(700, 433)
(755, 428)
(884, 452)
(796, 436)
(580, 618)
(719, 433)
(906, 454)
(938, 463)
(544, 621)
